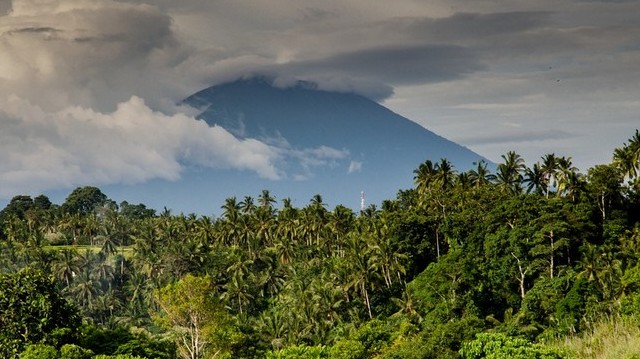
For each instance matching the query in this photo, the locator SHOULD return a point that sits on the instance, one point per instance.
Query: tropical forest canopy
(511, 263)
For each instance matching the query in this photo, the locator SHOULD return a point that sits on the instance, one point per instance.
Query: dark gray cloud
(402, 65)
(5, 7)
(609, 1)
(464, 26)
(373, 72)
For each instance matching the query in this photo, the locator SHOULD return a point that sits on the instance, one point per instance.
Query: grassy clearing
(617, 338)
(127, 251)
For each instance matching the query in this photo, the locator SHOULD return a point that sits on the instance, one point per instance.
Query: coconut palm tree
(231, 209)
(424, 176)
(86, 289)
(481, 176)
(509, 176)
(109, 243)
(266, 200)
(445, 174)
(66, 266)
(534, 179)
(627, 158)
(549, 168)
(247, 206)
(565, 173)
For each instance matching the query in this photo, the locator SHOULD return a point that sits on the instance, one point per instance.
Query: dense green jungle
(516, 262)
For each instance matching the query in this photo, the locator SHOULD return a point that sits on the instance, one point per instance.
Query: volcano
(338, 145)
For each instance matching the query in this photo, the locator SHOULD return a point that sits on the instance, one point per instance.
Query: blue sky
(88, 87)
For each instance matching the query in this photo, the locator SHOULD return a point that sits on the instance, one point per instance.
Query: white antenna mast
(362, 201)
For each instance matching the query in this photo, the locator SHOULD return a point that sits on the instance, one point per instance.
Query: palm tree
(481, 176)
(445, 174)
(230, 209)
(313, 221)
(139, 292)
(509, 175)
(110, 304)
(423, 176)
(565, 173)
(627, 158)
(317, 203)
(383, 257)
(266, 200)
(71, 225)
(574, 184)
(534, 178)
(66, 266)
(15, 230)
(549, 167)
(204, 230)
(407, 304)
(86, 289)
(272, 325)
(109, 244)
(104, 272)
(359, 273)
(247, 206)
(237, 290)
(341, 221)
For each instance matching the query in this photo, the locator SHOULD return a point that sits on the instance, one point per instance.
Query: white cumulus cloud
(132, 144)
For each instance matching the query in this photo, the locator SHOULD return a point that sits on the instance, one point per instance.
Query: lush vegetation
(516, 262)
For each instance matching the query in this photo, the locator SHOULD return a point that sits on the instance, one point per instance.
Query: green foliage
(103, 341)
(410, 348)
(195, 317)
(136, 211)
(120, 340)
(443, 340)
(347, 349)
(144, 346)
(500, 346)
(299, 352)
(39, 351)
(374, 336)
(571, 308)
(72, 351)
(31, 310)
(83, 200)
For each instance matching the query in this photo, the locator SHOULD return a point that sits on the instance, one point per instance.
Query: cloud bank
(130, 145)
(84, 83)
(87, 95)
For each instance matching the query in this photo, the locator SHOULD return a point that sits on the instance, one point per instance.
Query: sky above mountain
(88, 88)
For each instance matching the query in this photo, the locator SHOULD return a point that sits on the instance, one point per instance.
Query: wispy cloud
(515, 136)
(354, 167)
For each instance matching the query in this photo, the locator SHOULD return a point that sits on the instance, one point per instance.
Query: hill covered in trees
(504, 264)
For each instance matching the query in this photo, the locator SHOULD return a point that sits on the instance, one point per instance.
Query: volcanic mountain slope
(338, 144)
(330, 143)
